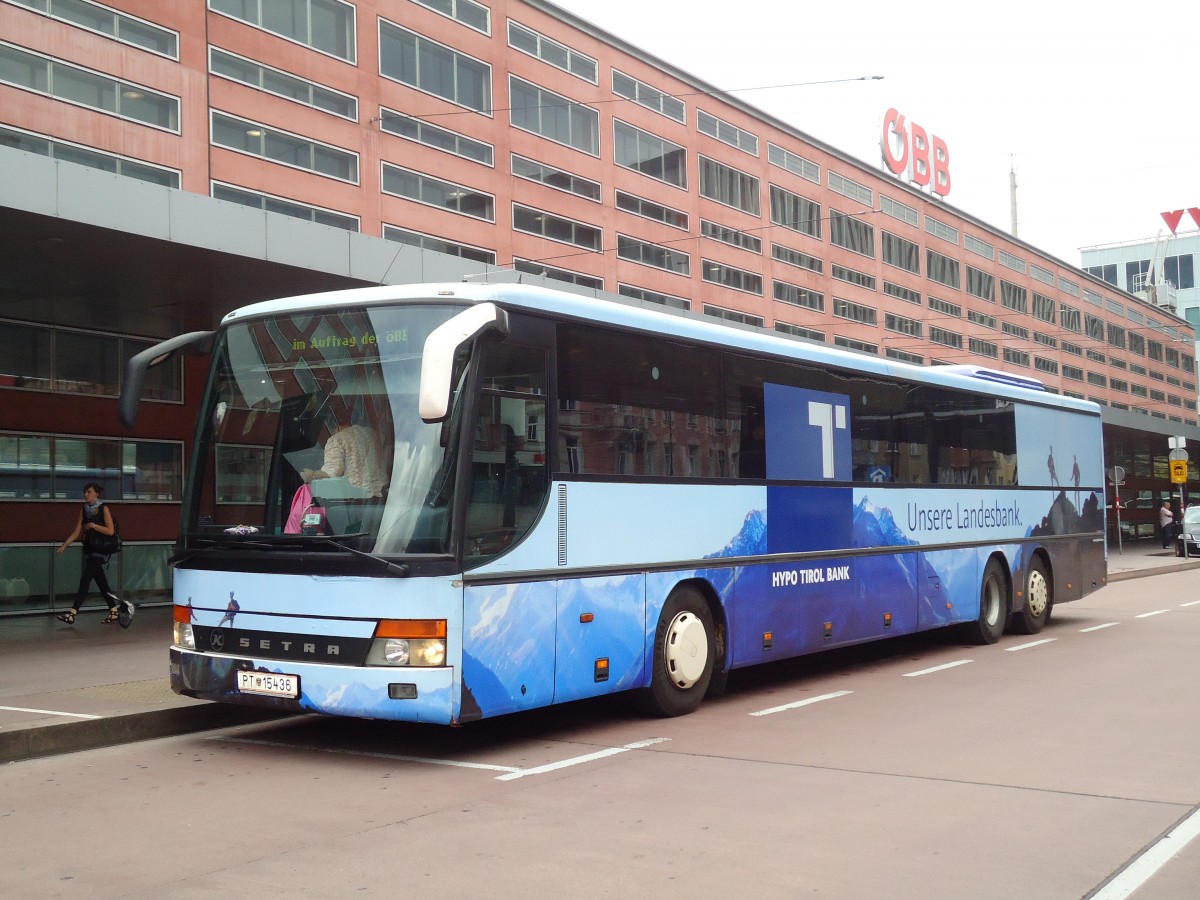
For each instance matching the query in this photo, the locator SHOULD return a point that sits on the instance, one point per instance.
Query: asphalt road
(1042, 767)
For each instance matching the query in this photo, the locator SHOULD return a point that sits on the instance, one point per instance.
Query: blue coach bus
(557, 497)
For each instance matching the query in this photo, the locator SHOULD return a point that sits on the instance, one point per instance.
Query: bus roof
(648, 317)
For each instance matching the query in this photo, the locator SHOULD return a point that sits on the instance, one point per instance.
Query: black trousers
(93, 570)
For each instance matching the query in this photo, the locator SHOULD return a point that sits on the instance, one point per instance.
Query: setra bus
(534, 497)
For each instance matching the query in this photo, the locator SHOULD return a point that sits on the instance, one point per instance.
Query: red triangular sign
(1194, 212)
(1172, 219)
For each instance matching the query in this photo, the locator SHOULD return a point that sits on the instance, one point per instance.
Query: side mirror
(135, 371)
(437, 359)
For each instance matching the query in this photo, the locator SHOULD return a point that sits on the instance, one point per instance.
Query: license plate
(269, 683)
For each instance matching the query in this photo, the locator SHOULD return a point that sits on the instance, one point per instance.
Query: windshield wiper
(288, 542)
(398, 568)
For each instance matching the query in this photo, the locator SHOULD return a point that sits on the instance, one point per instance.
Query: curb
(70, 737)
(1126, 574)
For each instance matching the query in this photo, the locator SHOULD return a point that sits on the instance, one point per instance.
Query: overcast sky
(1095, 106)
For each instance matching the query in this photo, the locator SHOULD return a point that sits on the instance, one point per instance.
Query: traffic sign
(1178, 471)
(1117, 474)
(1178, 456)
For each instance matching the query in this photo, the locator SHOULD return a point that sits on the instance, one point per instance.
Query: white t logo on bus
(826, 416)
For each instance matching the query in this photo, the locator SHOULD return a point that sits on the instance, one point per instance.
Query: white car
(1188, 539)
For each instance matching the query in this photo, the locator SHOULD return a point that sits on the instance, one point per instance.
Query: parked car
(1188, 537)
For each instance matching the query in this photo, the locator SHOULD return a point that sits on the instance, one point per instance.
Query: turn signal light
(410, 628)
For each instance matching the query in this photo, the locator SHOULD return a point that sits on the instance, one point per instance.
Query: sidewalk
(65, 688)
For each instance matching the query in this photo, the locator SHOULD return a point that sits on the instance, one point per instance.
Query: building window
(908, 295)
(731, 277)
(941, 269)
(556, 228)
(1072, 372)
(1070, 319)
(898, 210)
(56, 467)
(1045, 276)
(1013, 262)
(983, 348)
(1137, 343)
(904, 356)
(726, 133)
(325, 25)
(1050, 341)
(1093, 327)
(978, 247)
(1018, 331)
(1097, 379)
(468, 12)
(896, 251)
(533, 267)
(901, 325)
(434, 68)
(730, 186)
(1180, 271)
(855, 236)
(1049, 366)
(648, 254)
(983, 319)
(798, 331)
(650, 97)
(945, 338)
(648, 296)
(431, 191)
(860, 346)
(1043, 308)
(852, 276)
(1104, 273)
(798, 296)
(731, 236)
(281, 84)
(558, 179)
(1016, 357)
(651, 155)
(981, 284)
(795, 212)
(85, 156)
(283, 148)
(436, 137)
(731, 315)
(648, 209)
(553, 116)
(550, 51)
(63, 81)
(797, 165)
(941, 230)
(855, 312)
(796, 258)
(1068, 286)
(438, 245)
(271, 203)
(109, 23)
(847, 188)
(1013, 297)
(945, 308)
(1136, 273)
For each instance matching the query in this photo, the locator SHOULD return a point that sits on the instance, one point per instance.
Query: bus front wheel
(993, 607)
(1039, 598)
(684, 654)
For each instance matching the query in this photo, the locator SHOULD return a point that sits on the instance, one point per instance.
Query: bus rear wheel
(684, 654)
(993, 607)
(1039, 598)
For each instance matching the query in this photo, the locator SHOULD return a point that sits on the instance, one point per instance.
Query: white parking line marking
(1143, 868)
(578, 760)
(1098, 627)
(799, 703)
(395, 756)
(50, 712)
(1190, 603)
(961, 662)
(1157, 612)
(1031, 644)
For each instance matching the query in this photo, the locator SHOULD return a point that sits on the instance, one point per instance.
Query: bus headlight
(409, 642)
(184, 637)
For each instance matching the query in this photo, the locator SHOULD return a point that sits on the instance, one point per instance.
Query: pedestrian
(1165, 518)
(95, 523)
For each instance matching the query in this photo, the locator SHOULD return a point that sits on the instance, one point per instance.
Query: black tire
(993, 607)
(684, 654)
(1039, 600)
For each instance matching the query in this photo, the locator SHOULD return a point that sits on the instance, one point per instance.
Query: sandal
(68, 617)
(113, 613)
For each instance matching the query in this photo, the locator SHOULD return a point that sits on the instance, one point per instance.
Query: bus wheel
(683, 655)
(993, 607)
(1039, 598)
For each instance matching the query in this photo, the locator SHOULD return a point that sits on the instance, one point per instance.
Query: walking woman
(94, 519)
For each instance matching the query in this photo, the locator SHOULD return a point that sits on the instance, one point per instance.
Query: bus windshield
(310, 429)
